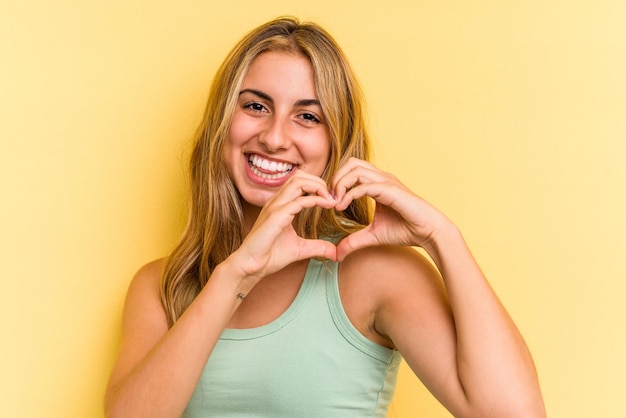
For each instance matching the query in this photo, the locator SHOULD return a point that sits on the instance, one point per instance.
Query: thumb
(355, 241)
(318, 248)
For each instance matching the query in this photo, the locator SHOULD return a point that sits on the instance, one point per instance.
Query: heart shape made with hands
(338, 250)
(400, 216)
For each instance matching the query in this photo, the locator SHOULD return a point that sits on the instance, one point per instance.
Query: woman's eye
(257, 107)
(310, 117)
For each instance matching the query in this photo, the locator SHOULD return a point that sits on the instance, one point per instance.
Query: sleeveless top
(310, 362)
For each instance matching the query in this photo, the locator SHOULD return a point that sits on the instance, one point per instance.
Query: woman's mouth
(267, 169)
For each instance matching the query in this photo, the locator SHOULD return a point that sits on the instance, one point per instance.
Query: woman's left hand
(400, 217)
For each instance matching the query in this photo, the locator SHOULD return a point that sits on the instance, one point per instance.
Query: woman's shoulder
(143, 309)
(386, 276)
(145, 286)
(371, 280)
(149, 274)
(387, 263)
(151, 270)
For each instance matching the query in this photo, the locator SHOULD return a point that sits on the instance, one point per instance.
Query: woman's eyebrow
(265, 96)
(257, 93)
(308, 102)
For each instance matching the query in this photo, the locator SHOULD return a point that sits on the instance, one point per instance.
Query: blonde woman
(288, 295)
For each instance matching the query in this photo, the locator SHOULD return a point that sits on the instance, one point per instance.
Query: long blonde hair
(215, 226)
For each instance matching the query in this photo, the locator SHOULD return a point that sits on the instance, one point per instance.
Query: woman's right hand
(272, 242)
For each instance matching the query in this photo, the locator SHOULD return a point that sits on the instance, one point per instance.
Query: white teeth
(278, 170)
(269, 176)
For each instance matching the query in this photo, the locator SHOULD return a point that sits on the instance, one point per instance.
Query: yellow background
(508, 115)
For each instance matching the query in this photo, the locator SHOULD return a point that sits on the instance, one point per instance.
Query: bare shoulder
(143, 299)
(148, 276)
(379, 285)
(387, 267)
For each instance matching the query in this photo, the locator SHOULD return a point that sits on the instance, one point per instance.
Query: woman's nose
(275, 136)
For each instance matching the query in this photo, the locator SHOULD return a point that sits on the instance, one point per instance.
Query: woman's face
(277, 128)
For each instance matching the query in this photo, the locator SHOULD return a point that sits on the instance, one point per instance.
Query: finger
(355, 241)
(345, 168)
(317, 248)
(350, 165)
(346, 180)
(275, 218)
(303, 175)
(308, 201)
(383, 193)
(299, 185)
(281, 216)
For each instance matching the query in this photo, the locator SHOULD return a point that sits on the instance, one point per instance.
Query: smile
(266, 169)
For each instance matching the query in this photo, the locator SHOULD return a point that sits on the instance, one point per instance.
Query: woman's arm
(456, 336)
(158, 368)
(448, 324)
(494, 365)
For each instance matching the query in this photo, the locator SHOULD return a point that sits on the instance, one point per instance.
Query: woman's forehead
(279, 73)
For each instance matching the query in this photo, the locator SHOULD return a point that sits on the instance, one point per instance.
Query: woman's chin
(256, 198)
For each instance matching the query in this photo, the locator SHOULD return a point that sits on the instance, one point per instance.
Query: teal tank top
(310, 362)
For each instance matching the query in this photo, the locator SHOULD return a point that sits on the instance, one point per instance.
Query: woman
(288, 296)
